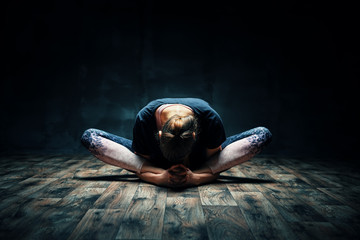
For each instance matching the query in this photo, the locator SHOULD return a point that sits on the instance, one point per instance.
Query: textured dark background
(291, 66)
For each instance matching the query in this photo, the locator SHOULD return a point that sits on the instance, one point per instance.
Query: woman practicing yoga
(177, 142)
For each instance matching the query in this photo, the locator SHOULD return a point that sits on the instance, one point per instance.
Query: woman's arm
(159, 179)
(176, 176)
(164, 179)
(197, 179)
(154, 175)
(201, 176)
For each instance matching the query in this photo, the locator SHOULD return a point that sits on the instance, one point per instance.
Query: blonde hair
(177, 138)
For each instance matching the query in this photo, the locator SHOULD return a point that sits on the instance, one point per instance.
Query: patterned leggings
(252, 143)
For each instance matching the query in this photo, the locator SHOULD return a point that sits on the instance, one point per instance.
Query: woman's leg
(239, 148)
(112, 149)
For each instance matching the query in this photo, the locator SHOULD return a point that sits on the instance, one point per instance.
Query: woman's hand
(177, 176)
(181, 176)
(174, 177)
(196, 179)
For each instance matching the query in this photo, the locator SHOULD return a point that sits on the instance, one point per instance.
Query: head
(177, 137)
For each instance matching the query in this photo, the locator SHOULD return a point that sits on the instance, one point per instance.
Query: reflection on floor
(79, 197)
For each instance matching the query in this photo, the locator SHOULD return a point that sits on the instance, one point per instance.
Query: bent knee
(87, 137)
(265, 134)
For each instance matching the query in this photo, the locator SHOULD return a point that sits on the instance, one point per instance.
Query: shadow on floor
(134, 178)
(231, 179)
(123, 178)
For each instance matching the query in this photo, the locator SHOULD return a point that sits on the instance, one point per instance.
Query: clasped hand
(179, 176)
(176, 176)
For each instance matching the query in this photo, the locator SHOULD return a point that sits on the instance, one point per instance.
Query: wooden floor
(79, 197)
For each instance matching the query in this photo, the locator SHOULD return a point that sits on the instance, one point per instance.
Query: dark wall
(291, 66)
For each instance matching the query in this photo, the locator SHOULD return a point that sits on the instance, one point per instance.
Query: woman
(177, 142)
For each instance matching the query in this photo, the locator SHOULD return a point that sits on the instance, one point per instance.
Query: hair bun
(177, 139)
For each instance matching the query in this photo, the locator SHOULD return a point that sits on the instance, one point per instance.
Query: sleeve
(141, 141)
(214, 129)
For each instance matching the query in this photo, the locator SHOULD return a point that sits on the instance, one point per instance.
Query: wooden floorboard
(80, 197)
(184, 219)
